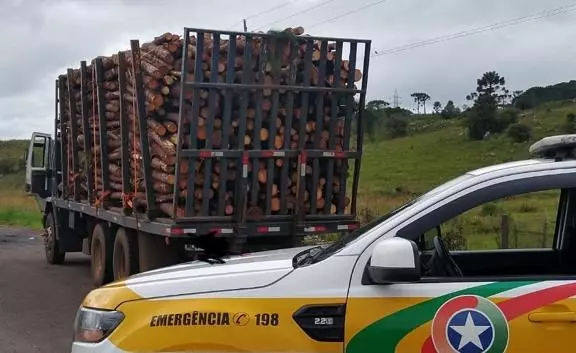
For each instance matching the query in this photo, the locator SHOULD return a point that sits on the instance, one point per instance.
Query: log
(279, 127)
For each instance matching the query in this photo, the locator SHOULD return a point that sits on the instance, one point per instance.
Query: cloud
(47, 36)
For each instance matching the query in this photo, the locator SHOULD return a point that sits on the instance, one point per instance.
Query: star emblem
(470, 331)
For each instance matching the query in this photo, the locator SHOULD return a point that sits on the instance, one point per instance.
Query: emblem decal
(469, 324)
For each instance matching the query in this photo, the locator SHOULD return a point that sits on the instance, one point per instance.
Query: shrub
(505, 118)
(453, 235)
(366, 215)
(520, 132)
(482, 118)
(490, 209)
(570, 124)
(396, 125)
(527, 207)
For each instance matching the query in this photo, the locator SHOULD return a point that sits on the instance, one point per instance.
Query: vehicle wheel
(101, 259)
(125, 254)
(52, 250)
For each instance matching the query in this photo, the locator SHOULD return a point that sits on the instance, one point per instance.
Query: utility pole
(396, 103)
(245, 27)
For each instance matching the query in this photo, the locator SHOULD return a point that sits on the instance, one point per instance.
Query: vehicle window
(525, 221)
(38, 152)
(344, 241)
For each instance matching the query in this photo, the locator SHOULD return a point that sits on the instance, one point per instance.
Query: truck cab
(401, 283)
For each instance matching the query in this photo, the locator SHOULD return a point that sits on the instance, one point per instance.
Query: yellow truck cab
(392, 285)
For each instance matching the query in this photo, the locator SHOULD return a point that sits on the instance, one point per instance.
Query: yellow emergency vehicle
(391, 286)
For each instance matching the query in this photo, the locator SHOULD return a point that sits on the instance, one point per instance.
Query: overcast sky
(44, 37)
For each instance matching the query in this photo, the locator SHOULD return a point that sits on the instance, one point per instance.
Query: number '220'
(266, 319)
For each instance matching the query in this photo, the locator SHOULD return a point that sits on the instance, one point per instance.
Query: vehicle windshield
(350, 237)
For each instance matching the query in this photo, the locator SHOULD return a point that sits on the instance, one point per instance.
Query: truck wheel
(101, 255)
(52, 250)
(125, 254)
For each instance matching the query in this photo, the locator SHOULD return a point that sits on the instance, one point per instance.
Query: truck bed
(294, 187)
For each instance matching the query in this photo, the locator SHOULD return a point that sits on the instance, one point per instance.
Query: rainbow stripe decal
(470, 324)
(455, 316)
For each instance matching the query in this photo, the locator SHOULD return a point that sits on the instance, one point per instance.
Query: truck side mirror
(395, 260)
(25, 155)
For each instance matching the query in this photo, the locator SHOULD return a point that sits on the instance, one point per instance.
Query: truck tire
(102, 247)
(125, 257)
(54, 255)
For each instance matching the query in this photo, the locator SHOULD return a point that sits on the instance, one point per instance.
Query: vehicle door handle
(562, 316)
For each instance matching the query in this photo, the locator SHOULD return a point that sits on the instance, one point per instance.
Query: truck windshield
(345, 240)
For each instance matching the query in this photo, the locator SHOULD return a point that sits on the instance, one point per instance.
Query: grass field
(16, 208)
(394, 171)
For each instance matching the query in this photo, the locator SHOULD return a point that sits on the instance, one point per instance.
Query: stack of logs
(161, 65)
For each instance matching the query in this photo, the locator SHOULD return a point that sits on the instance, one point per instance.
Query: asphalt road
(38, 301)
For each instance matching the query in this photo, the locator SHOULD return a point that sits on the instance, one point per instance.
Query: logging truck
(199, 146)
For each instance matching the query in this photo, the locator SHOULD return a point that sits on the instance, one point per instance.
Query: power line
(264, 12)
(296, 14)
(495, 26)
(347, 13)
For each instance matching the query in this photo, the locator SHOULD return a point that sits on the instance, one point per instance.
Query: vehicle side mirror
(25, 155)
(395, 260)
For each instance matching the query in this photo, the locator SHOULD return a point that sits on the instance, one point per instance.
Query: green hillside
(440, 149)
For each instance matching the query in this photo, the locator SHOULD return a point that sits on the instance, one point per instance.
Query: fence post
(505, 232)
(515, 234)
(545, 231)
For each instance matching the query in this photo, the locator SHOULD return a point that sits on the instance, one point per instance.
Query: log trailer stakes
(196, 146)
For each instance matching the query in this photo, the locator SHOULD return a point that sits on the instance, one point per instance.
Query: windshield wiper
(210, 260)
(204, 255)
(304, 257)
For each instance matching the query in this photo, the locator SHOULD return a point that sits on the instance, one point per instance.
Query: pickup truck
(392, 285)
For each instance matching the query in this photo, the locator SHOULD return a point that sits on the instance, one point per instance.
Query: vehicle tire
(125, 258)
(101, 247)
(54, 255)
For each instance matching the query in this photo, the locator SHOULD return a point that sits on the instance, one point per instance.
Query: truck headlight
(92, 325)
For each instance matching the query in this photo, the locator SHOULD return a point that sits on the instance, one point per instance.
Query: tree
(374, 114)
(377, 105)
(437, 107)
(536, 96)
(490, 94)
(482, 118)
(416, 97)
(420, 98)
(450, 110)
(491, 84)
(424, 97)
(516, 94)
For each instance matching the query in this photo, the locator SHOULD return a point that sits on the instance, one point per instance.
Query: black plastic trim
(332, 317)
(394, 275)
